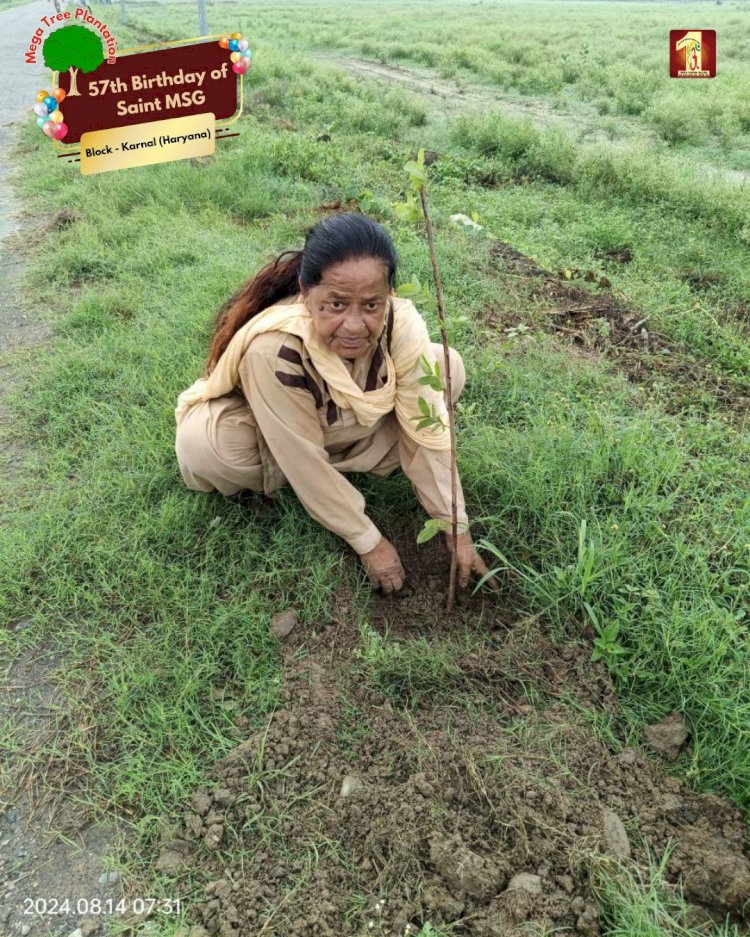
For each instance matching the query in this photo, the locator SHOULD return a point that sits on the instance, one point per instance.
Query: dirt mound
(476, 799)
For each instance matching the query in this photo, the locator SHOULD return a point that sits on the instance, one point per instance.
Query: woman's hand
(468, 561)
(384, 567)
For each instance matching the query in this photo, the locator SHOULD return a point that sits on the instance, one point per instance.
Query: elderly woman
(313, 371)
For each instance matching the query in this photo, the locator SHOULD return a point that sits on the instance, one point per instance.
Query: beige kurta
(281, 426)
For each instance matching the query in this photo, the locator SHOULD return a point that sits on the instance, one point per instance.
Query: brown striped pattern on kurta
(297, 370)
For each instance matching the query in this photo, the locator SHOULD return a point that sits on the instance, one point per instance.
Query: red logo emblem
(692, 53)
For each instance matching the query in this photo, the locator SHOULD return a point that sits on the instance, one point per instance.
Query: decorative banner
(137, 108)
(158, 141)
(178, 81)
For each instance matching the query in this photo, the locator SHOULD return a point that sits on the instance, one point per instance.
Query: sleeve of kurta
(429, 470)
(287, 417)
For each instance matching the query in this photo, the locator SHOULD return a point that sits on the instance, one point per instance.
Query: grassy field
(619, 505)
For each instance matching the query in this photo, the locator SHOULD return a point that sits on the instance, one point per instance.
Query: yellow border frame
(73, 148)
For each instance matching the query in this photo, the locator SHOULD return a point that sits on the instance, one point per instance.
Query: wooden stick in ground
(449, 402)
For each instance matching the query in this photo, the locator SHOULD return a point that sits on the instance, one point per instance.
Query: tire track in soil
(35, 862)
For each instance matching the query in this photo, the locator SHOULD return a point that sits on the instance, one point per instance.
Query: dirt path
(20, 84)
(35, 861)
(450, 99)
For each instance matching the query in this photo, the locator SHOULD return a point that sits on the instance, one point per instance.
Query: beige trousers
(217, 445)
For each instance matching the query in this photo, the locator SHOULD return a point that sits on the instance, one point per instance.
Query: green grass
(663, 556)
(646, 905)
(160, 597)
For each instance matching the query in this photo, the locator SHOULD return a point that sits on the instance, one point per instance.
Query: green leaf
(411, 288)
(431, 527)
(417, 293)
(410, 210)
(589, 609)
(417, 171)
(434, 382)
(425, 534)
(427, 421)
(406, 211)
(423, 406)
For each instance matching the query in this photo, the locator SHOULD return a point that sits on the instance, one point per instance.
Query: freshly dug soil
(473, 795)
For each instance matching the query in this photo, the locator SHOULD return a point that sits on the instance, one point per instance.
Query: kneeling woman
(313, 371)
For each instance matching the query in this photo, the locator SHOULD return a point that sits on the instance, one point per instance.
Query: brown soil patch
(604, 323)
(471, 794)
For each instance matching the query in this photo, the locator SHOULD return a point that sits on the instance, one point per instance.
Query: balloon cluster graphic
(48, 114)
(241, 56)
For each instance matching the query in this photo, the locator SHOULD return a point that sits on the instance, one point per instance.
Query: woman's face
(349, 305)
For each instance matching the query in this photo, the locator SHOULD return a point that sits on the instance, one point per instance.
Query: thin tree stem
(449, 402)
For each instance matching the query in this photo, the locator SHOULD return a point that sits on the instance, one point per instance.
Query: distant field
(606, 61)
(604, 444)
(576, 198)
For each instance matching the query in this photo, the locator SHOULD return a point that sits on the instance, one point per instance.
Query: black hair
(333, 240)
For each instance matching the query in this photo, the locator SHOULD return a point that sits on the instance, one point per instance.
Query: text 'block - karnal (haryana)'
(158, 141)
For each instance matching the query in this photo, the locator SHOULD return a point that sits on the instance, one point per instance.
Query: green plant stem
(449, 402)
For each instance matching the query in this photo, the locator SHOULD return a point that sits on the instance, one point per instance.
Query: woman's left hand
(468, 561)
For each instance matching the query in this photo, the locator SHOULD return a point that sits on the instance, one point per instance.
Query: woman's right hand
(384, 567)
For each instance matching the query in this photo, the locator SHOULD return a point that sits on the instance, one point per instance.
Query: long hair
(346, 236)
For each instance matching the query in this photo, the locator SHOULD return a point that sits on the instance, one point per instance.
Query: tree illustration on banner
(72, 48)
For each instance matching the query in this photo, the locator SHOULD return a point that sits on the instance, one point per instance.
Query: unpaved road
(448, 100)
(35, 862)
(20, 82)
